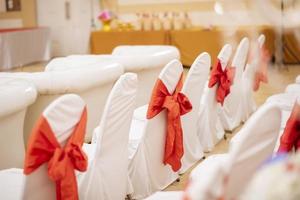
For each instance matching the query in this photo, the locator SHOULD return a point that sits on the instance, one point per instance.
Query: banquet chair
(147, 140)
(293, 88)
(16, 96)
(210, 129)
(248, 103)
(225, 176)
(59, 131)
(145, 60)
(289, 136)
(232, 111)
(254, 144)
(91, 85)
(193, 88)
(107, 175)
(297, 79)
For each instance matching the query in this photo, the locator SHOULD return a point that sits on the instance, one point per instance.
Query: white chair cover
(210, 129)
(254, 143)
(63, 114)
(293, 88)
(232, 111)
(108, 154)
(92, 85)
(147, 142)
(297, 80)
(78, 61)
(284, 100)
(145, 60)
(172, 195)
(248, 103)
(16, 96)
(193, 88)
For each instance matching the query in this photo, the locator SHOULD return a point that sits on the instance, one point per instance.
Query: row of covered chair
(156, 156)
(273, 129)
(93, 84)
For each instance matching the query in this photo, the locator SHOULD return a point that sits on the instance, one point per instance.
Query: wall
(27, 16)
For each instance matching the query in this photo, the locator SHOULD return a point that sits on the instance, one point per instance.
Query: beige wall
(200, 5)
(27, 14)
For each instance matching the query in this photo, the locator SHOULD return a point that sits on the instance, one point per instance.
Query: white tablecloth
(24, 46)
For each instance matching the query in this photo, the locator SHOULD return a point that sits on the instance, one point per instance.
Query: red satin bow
(261, 73)
(43, 147)
(177, 104)
(224, 79)
(291, 134)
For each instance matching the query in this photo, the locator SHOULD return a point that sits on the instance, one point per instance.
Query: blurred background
(97, 26)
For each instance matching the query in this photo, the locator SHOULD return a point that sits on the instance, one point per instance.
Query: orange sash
(291, 134)
(224, 79)
(43, 147)
(261, 74)
(177, 104)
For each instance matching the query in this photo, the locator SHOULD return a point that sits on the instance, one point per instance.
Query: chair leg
(129, 197)
(225, 137)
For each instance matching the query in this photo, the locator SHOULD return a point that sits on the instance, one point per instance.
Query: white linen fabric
(297, 80)
(254, 143)
(146, 146)
(107, 175)
(23, 47)
(232, 111)
(63, 114)
(92, 85)
(210, 129)
(248, 103)
(16, 96)
(284, 100)
(193, 88)
(293, 88)
(145, 60)
(172, 195)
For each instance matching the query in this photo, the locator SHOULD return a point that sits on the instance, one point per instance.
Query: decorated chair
(293, 88)
(232, 111)
(225, 176)
(107, 175)
(250, 79)
(53, 154)
(290, 137)
(297, 80)
(145, 60)
(16, 96)
(193, 88)
(156, 140)
(210, 129)
(92, 85)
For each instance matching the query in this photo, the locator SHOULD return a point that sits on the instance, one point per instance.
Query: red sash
(224, 79)
(176, 104)
(44, 148)
(261, 73)
(291, 134)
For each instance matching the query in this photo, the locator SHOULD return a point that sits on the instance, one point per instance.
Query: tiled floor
(278, 80)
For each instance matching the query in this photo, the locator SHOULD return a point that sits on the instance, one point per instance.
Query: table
(104, 42)
(190, 42)
(23, 46)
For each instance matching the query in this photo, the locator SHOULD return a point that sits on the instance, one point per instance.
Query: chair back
(193, 88)
(110, 164)
(256, 142)
(62, 115)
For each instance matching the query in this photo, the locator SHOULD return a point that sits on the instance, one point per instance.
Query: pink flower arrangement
(105, 16)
